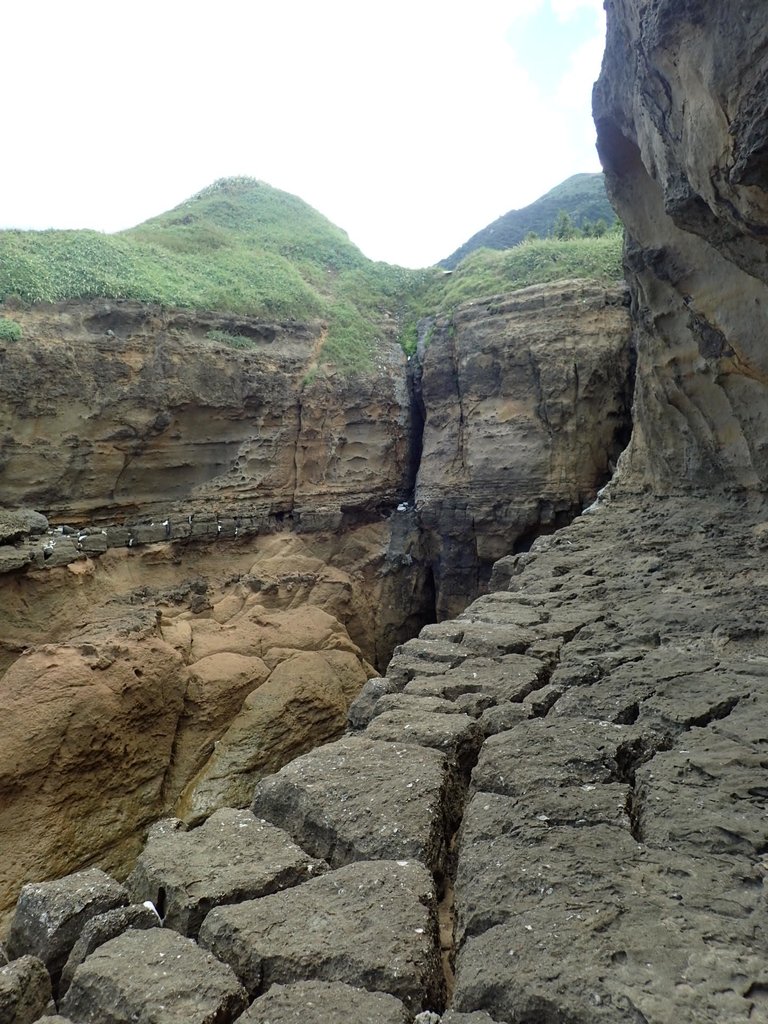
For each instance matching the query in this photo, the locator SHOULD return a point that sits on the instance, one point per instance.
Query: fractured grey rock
(12, 558)
(101, 929)
(233, 856)
(568, 753)
(478, 1017)
(457, 735)
(324, 1002)
(50, 916)
(413, 703)
(370, 925)
(25, 990)
(363, 799)
(512, 862)
(20, 522)
(363, 707)
(156, 976)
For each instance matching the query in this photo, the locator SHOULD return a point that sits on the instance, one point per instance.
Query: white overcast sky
(409, 123)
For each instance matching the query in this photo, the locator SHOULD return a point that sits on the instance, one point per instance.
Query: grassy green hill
(238, 246)
(582, 196)
(243, 247)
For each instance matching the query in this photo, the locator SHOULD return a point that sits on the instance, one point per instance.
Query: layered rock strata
(526, 401)
(682, 133)
(113, 410)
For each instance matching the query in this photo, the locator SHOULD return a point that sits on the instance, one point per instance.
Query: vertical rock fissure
(418, 414)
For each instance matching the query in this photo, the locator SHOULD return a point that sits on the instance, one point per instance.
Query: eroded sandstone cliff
(526, 401)
(682, 132)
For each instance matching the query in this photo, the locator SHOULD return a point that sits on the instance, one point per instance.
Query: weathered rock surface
(363, 799)
(610, 858)
(49, 916)
(526, 401)
(110, 731)
(101, 929)
(324, 1002)
(153, 975)
(303, 703)
(680, 115)
(232, 857)
(370, 925)
(113, 407)
(25, 990)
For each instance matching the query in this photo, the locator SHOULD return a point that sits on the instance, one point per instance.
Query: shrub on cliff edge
(9, 330)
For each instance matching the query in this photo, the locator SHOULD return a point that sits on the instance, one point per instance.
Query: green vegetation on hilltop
(243, 247)
(488, 272)
(582, 197)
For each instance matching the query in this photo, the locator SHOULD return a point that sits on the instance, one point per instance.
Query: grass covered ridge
(243, 247)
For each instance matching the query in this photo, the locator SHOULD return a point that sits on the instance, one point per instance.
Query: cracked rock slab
(233, 856)
(371, 925)
(457, 735)
(101, 929)
(155, 976)
(25, 990)
(512, 862)
(567, 753)
(364, 799)
(324, 1002)
(49, 916)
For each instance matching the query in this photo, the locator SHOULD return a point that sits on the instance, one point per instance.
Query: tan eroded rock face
(527, 403)
(680, 113)
(148, 689)
(112, 408)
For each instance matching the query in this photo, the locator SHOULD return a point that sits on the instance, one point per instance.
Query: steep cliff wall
(110, 410)
(683, 135)
(527, 401)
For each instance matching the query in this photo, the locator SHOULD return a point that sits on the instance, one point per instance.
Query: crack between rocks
(642, 750)
(445, 882)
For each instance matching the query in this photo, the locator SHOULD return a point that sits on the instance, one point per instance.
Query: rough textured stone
(370, 925)
(363, 799)
(101, 929)
(517, 436)
(304, 702)
(16, 523)
(153, 975)
(680, 115)
(456, 735)
(232, 857)
(49, 916)
(126, 714)
(363, 707)
(609, 863)
(478, 1017)
(135, 424)
(25, 990)
(324, 1002)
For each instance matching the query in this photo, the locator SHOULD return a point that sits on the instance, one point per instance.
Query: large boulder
(49, 916)
(370, 925)
(153, 975)
(232, 857)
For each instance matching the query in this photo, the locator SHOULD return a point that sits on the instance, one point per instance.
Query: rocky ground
(551, 811)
